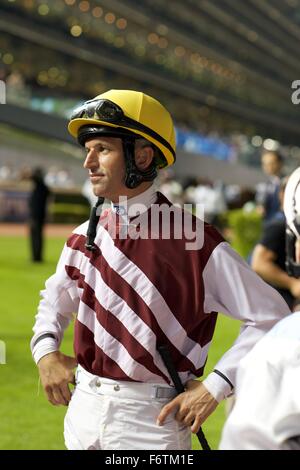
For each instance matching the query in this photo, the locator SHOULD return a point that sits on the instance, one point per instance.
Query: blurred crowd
(55, 176)
(216, 196)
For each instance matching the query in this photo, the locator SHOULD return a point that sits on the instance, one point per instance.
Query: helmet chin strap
(134, 177)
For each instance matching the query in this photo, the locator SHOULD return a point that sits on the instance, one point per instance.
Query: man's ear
(144, 157)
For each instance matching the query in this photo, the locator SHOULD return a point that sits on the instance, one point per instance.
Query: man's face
(271, 164)
(106, 165)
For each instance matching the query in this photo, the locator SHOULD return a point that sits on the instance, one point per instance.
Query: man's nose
(91, 160)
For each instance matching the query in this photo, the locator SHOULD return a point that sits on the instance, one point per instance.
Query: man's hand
(193, 406)
(56, 372)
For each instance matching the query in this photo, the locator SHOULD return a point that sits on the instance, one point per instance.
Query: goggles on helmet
(107, 111)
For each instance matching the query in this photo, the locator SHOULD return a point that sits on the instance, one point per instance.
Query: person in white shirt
(266, 414)
(136, 282)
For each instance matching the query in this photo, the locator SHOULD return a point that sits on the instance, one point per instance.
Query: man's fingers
(56, 372)
(189, 419)
(166, 410)
(72, 380)
(57, 394)
(65, 391)
(196, 425)
(50, 396)
(181, 414)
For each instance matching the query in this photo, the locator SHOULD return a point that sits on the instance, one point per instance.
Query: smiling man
(132, 294)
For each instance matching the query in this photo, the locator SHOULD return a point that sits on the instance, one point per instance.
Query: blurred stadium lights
(270, 144)
(257, 141)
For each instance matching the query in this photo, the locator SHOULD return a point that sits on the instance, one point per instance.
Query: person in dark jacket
(267, 196)
(268, 259)
(37, 213)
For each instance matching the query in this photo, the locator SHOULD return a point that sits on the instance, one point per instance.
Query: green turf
(28, 421)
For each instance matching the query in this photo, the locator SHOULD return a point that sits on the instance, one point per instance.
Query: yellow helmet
(131, 111)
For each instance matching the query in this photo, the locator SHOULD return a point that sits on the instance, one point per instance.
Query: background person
(37, 213)
(267, 195)
(268, 258)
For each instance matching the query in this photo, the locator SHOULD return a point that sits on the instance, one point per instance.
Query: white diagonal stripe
(187, 375)
(118, 307)
(142, 285)
(114, 349)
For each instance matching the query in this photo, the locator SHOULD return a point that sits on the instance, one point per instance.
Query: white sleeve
(55, 311)
(234, 289)
(266, 413)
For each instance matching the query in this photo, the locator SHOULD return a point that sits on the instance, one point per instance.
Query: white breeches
(116, 415)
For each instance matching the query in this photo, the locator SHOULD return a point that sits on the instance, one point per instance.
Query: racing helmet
(129, 115)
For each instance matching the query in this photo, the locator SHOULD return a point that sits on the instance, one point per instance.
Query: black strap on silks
(167, 359)
(134, 177)
(93, 222)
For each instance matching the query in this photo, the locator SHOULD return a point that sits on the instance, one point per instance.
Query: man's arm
(231, 287)
(55, 311)
(263, 263)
